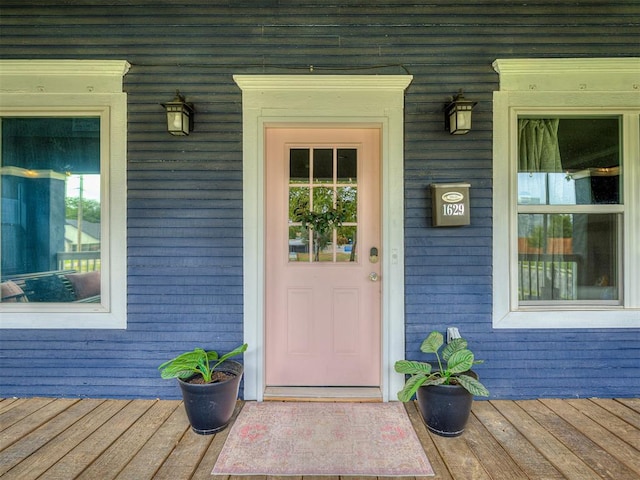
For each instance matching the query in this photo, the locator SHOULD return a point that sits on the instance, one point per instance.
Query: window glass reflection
(347, 250)
(323, 209)
(568, 161)
(568, 256)
(51, 209)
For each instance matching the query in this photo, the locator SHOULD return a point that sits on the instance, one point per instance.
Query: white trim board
(323, 100)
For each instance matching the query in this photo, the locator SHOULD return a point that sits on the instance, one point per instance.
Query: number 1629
(452, 209)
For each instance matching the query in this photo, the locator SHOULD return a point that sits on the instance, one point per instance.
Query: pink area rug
(291, 438)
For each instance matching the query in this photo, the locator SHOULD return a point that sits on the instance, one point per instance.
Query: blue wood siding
(185, 194)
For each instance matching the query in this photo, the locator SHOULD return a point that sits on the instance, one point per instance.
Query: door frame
(324, 101)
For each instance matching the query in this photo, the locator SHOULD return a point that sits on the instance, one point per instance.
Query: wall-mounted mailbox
(450, 204)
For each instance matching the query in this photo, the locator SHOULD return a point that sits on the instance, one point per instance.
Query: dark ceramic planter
(210, 406)
(445, 408)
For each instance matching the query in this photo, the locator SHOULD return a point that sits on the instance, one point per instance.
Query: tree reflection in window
(323, 205)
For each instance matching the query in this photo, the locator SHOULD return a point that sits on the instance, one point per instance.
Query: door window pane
(347, 165)
(322, 199)
(298, 201)
(299, 165)
(323, 165)
(348, 201)
(347, 244)
(298, 244)
(51, 207)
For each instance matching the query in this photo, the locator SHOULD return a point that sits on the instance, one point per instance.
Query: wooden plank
(530, 460)
(115, 458)
(8, 403)
(35, 465)
(203, 472)
(620, 410)
(185, 458)
(437, 463)
(490, 453)
(27, 446)
(591, 453)
(632, 403)
(75, 461)
(610, 421)
(150, 457)
(596, 432)
(28, 424)
(21, 411)
(562, 458)
(139, 443)
(458, 457)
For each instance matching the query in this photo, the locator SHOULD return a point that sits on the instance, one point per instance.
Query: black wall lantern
(179, 115)
(457, 115)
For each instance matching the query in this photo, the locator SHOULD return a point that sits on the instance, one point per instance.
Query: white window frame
(602, 86)
(79, 88)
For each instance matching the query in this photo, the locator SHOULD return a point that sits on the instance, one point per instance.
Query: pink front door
(322, 325)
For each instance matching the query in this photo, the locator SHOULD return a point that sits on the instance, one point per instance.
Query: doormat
(306, 438)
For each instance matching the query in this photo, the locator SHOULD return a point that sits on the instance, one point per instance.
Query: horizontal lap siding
(185, 194)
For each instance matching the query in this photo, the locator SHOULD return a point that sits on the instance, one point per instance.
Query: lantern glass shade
(458, 115)
(179, 116)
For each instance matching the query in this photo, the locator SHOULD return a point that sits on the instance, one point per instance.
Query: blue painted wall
(185, 194)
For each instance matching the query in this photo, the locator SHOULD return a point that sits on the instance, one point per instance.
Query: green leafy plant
(458, 361)
(198, 361)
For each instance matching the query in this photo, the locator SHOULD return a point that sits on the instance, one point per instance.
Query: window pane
(347, 244)
(568, 161)
(299, 165)
(298, 202)
(348, 201)
(323, 246)
(298, 244)
(323, 165)
(51, 208)
(322, 199)
(347, 165)
(568, 257)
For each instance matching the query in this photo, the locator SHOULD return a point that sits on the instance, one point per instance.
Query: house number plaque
(450, 204)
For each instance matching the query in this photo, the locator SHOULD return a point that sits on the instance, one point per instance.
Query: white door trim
(349, 100)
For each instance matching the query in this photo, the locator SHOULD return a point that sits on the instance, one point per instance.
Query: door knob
(373, 276)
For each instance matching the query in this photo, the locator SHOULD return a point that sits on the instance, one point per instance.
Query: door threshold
(322, 394)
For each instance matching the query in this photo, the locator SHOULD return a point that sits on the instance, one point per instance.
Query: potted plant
(444, 394)
(209, 386)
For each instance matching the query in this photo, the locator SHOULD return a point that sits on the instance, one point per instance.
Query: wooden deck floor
(148, 439)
